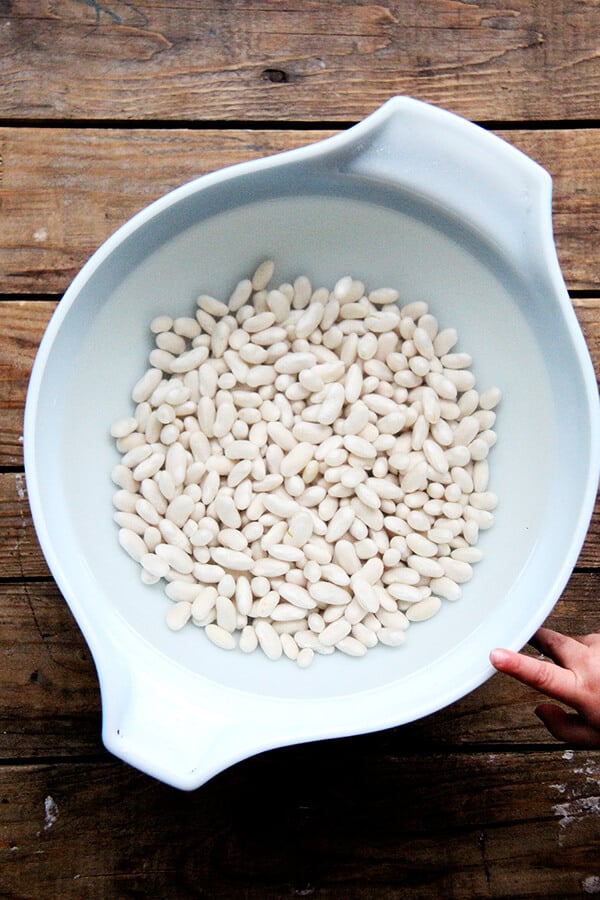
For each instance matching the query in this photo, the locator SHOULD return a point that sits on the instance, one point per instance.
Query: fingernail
(498, 656)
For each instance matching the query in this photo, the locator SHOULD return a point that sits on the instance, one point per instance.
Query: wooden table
(105, 106)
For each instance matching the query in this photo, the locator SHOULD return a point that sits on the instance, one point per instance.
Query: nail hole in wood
(275, 76)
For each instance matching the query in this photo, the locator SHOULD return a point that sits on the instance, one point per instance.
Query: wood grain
(50, 704)
(341, 819)
(253, 60)
(49, 697)
(22, 324)
(63, 192)
(20, 553)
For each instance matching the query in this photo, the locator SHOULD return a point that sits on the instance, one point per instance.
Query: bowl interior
(205, 242)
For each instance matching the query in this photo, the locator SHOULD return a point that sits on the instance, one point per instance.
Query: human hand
(572, 678)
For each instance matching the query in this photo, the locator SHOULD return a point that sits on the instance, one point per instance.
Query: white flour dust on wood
(576, 808)
(20, 485)
(50, 813)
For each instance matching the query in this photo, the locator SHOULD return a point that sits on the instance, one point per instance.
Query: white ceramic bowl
(413, 197)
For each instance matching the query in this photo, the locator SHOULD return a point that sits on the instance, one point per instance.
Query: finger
(568, 727)
(566, 651)
(590, 639)
(544, 676)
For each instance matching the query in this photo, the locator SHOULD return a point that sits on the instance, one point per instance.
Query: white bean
(269, 640)
(132, 543)
(296, 595)
(339, 524)
(280, 505)
(262, 275)
(445, 587)
(335, 632)
(248, 639)
(359, 446)
(364, 593)
(179, 615)
(456, 570)
(331, 408)
(310, 320)
(391, 637)
(286, 552)
(270, 568)
(305, 657)
(177, 558)
(325, 592)
(234, 560)
(294, 363)
(296, 459)
(241, 449)
(220, 637)
(147, 384)
(424, 609)
(489, 399)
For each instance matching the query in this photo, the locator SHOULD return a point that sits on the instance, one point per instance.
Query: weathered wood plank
(22, 324)
(299, 60)
(63, 192)
(20, 553)
(587, 310)
(50, 706)
(340, 819)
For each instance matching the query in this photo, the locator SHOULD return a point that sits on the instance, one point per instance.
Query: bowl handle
(457, 166)
(151, 719)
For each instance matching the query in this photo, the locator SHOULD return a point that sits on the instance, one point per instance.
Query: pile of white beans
(306, 469)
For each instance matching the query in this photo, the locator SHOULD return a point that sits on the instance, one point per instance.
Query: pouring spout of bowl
(160, 730)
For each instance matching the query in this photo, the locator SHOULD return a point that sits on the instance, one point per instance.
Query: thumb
(568, 727)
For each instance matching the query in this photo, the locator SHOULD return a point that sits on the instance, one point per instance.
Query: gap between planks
(276, 125)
